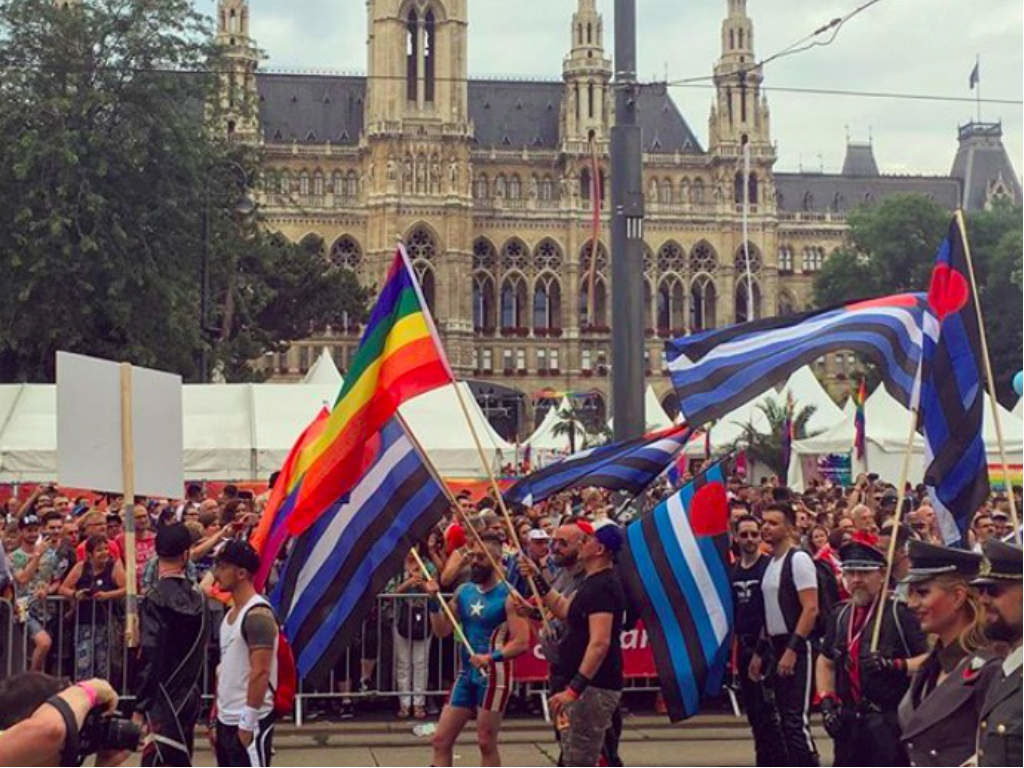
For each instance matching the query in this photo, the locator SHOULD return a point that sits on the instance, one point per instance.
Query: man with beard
(175, 628)
(860, 691)
(999, 726)
(746, 575)
(484, 609)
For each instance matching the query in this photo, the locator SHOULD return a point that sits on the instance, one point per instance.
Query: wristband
(573, 696)
(542, 586)
(579, 683)
(249, 720)
(794, 641)
(497, 656)
(90, 692)
(830, 696)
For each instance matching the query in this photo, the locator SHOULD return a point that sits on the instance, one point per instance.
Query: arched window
(602, 257)
(515, 190)
(483, 302)
(732, 39)
(500, 186)
(515, 256)
(670, 258)
(351, 184)
(547, 256)
(703, 258)
(671, 305)
(590, 96)
(589, 33)
(425, 274)
(737, 187)
(421, 245)
(697, 191)
(742, 315)
(318, 184)
(411, 56)
(484, 255)
(421, 174)
(785, 259)
(600, 319)
(752, 186)
(703, 300)
(428, 57)
(579, 34)
(740, 35)
(546, 191)
(481, 189)
(513, 301)
(346, 253)
(547, 302)
(338, 184)
(665, 192)
(585, 183)
(740, 260)
(304, 183)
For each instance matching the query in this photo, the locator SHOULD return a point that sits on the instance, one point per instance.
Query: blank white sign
(89, 427)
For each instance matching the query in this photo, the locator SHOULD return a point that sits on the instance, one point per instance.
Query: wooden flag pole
(131, 625)
(896, 517)
(455, 504)
(1015, 517)
(456, 627)
(500, 500)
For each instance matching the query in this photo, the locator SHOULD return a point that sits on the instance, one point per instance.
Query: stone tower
(588, 101)
(239, 98)
(740, 112)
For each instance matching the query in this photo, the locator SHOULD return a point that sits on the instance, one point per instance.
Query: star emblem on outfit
(477, 608)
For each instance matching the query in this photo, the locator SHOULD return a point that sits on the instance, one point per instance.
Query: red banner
(637, 658)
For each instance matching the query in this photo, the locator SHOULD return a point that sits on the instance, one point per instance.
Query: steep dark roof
(514, 114)
(821, 192)
(311, 109)
(859, 161)
(981, 159)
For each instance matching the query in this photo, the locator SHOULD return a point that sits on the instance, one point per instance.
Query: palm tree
(570, 423)
(766, 448)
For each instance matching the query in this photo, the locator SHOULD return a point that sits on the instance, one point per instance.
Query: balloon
(1018, 382)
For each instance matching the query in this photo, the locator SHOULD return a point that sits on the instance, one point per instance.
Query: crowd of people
(808, 574)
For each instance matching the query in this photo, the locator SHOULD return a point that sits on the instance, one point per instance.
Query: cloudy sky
(902, 46)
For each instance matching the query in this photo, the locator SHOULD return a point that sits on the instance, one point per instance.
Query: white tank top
(233, 672)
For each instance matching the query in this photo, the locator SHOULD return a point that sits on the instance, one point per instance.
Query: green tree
(891, 248)
(570, 424)
(766, 447)
(113, 154)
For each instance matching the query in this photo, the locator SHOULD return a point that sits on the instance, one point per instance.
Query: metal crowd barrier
(87, 640)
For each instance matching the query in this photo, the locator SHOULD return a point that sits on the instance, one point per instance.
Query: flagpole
(977, 83)
(1015, 518)
(745, 216)
(455, 503)
(595, 199)
(896, 517)
(456, 627)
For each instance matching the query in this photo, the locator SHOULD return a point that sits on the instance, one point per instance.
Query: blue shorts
(490, 693)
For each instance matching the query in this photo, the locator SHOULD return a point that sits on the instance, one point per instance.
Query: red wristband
(90, 692)
(571, 694)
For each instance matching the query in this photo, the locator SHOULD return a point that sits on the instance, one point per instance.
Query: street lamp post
(243, 207)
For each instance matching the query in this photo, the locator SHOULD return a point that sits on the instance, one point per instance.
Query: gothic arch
(437, 7)
(485, 255)
(703, 302)
(547, 255)
(425, 274)
(515, 255)
(547, 301)
(484, 319)
(346, 252)
(740, 259)
(422, 242)
(703, 258)
(602, 257)
(741, 299)
(671, 258)
(500, 186)
(600, 319)
(665, 191)
(481, 186)
(513, 300)
(671, 306)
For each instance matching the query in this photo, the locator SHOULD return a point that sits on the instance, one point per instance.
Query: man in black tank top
(175, 623)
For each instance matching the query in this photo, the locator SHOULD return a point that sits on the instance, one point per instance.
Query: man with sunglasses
(746, 576)
(999, 726)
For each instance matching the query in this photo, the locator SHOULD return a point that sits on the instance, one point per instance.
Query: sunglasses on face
(748, 535)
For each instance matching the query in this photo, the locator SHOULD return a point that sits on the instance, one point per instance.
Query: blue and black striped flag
(675, 566)
(343, 561)
(716, 371)
(629, 465)
(952, 393)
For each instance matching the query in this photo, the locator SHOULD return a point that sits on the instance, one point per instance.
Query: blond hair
(972, 637)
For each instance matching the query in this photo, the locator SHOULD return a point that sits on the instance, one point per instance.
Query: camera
(103, 734)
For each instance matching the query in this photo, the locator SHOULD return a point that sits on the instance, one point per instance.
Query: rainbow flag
(859, 433)
(271, 532)
(399, 357)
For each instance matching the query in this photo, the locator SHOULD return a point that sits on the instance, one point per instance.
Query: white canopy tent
(244, 431)
(324, 372)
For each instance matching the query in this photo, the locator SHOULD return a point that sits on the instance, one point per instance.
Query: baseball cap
(610, 535)
(240, 553)
(28, 520)
(172, 540)
(538, 534)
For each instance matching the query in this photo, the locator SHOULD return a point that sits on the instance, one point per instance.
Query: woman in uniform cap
(939, 714)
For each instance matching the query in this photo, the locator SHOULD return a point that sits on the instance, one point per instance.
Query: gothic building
(488, 183)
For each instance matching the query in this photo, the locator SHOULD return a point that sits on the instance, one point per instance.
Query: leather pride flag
(952, 391)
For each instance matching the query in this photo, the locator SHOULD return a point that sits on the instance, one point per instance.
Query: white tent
(324, 372)
(545, 446)
(807, 390)
(244, 431)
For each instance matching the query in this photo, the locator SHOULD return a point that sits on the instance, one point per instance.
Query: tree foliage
(111, 159)
(891, 248)
(766, 447)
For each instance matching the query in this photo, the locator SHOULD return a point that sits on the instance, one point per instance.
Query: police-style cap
(172, 540)
(1002, 563)
(930, 560)
(861, 556)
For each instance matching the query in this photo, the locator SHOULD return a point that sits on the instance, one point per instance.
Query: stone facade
(488, 183)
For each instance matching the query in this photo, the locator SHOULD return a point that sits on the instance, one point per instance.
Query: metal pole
(627, 234)
(204, 286)
(746, 216)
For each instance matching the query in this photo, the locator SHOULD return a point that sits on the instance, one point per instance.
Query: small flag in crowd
(271, 533)
(859, 426)
(399, 357)
(339, 565)
(952, 395)
(629, 465)
(716, 371)
(674, 565)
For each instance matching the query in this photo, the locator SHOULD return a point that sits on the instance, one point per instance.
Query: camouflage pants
(589, 717)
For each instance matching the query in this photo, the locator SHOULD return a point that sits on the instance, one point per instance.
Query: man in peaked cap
(999, 726)
(860, 690)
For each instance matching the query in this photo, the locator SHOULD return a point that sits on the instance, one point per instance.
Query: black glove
(830, 716)
(878, 663)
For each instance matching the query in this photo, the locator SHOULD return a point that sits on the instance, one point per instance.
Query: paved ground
(647, 741)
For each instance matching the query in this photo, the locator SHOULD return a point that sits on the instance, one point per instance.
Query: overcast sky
(904, 46)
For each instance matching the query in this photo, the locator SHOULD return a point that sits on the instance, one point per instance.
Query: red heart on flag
(947, 292)
(709, 510)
